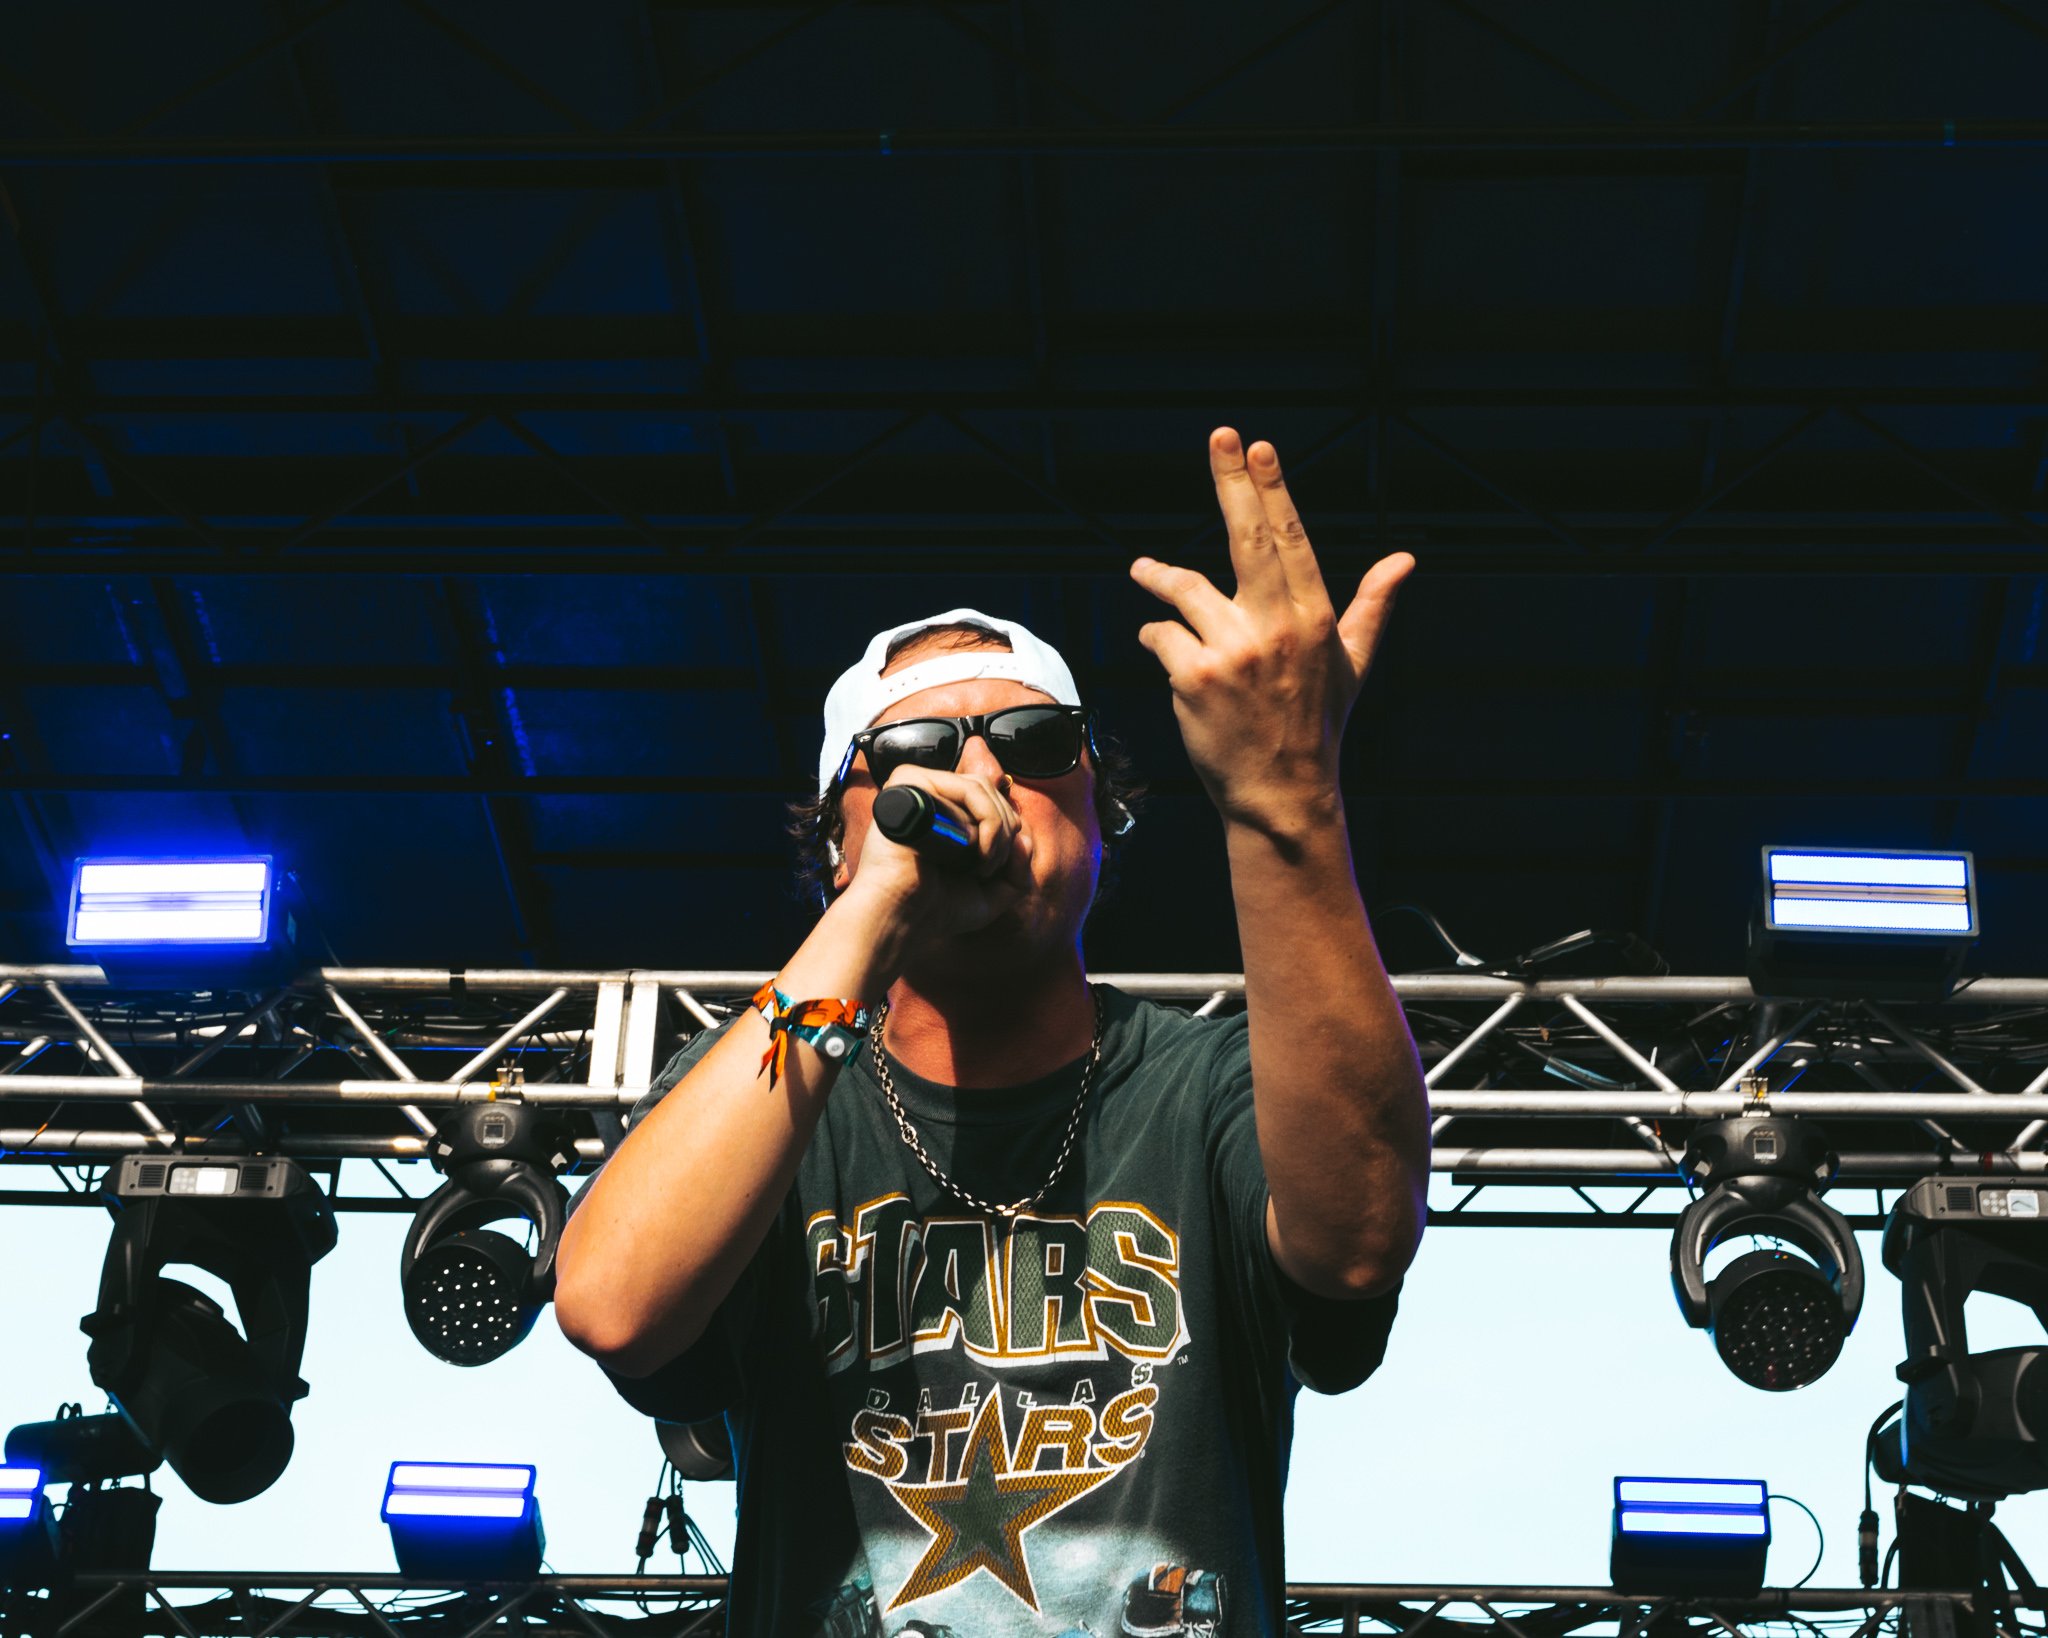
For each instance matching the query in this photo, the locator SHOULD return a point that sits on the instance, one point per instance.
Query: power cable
(1821, 1545)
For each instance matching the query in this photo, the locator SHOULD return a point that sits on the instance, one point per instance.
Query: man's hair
(818, 827)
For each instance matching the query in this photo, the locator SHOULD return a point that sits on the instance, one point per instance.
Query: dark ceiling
(452, 444)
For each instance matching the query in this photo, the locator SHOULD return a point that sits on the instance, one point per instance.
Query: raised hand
(1263, 682)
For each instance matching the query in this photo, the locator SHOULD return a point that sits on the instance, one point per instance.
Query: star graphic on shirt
(978, 1521)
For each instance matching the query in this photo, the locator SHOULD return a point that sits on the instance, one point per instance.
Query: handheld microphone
(907, 814)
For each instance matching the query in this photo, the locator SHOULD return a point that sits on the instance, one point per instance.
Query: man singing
(1002, 1280)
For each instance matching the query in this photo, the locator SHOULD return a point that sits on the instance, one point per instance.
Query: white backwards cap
(862, 693)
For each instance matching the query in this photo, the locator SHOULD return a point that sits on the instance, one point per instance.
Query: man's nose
(977, 759)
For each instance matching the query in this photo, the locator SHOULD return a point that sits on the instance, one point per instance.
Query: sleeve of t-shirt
(708, 1377)
(1332, 1344)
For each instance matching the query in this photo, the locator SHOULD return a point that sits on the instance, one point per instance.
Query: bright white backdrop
(1529, 1367)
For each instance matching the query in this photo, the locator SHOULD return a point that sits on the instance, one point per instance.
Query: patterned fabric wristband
(835, 1028)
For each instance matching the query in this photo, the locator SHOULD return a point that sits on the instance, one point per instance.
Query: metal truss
(258, 1605)
(1575, 1083)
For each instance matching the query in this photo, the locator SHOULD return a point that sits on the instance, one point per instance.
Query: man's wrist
(871, 926)
(1288, 815)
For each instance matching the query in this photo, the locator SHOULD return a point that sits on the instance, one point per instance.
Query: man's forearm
(1343, 1118)
(690, 1195)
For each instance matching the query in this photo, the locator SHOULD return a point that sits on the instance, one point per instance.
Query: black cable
(1464, 957)
(1866, 1523)
(1817, 1530)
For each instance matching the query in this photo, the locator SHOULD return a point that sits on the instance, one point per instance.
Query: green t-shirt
(1081, 1416)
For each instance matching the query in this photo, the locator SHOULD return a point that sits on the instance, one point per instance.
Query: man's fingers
(1253, 554)
(1171, 643)
(1193, 598)
(995, 820)
(1362, 624)
(1291, 549)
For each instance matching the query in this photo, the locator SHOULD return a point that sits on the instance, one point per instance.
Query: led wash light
(468, 1521)
(21, 1494)
(1874, 924)
(1870, 892)
(1690, 1535)
(135, 903)
(28, 1534)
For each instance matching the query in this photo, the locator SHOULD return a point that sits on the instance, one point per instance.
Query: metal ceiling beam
(879, 548)
(1816, 398)
(1412, 788)
(615, 148)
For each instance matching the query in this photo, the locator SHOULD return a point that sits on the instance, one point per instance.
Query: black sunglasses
(1030, 741)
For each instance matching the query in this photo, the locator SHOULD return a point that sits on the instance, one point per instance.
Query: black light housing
(700, 1451)
(1778, 1321)
(1873, 924)
(213, 1402)
(1974, 1426)
(471, 1293)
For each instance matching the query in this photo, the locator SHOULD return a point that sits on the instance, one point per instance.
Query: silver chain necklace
(915, 1144)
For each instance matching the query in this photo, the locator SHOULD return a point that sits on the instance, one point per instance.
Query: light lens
(16, 1507)
(1870, 892)
(461, 1476)
(1691, 1492)
(451, 1505)
(1645, 1522)
(20, 1481)
(170, 901)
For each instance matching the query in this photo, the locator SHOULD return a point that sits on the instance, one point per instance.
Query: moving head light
(1778, 1321)
(471, 1293)
(214, 1402)
(1975, 1426)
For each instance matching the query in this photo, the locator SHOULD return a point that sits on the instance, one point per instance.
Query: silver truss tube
(232, 1032)
(384, 1054)
(108, 1055)
(695, 1008)
(1979, 992)
(55, 1145)
(30, 1051)
(1646, 1102)
(1600, 1027)
(1638, 1166)
(1916, 1044)
(2032, 1134)
(90, 1031)
(547, 1006)
(1492, 1022)
(403, 1094)
(1770, 1047)
(7, 988)
(1719, 1105)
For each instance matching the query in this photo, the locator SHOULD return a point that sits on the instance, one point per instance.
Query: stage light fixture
(78, 1449)
(1974, 1425)
(181, 922)
(1778, 1321)
(212, 1401)
(699, 1451)
(169, 901)
(1690, 1535)
(468, 1521)
(472, 1293)
(1872, 924)
(28, 1534)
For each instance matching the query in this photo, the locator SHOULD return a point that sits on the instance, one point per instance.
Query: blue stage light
(21, 1494)
(1870, 892)
(465, 1521)
(28, 1534)
(1690, 1535)
(1872, 924)
(141, 903)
